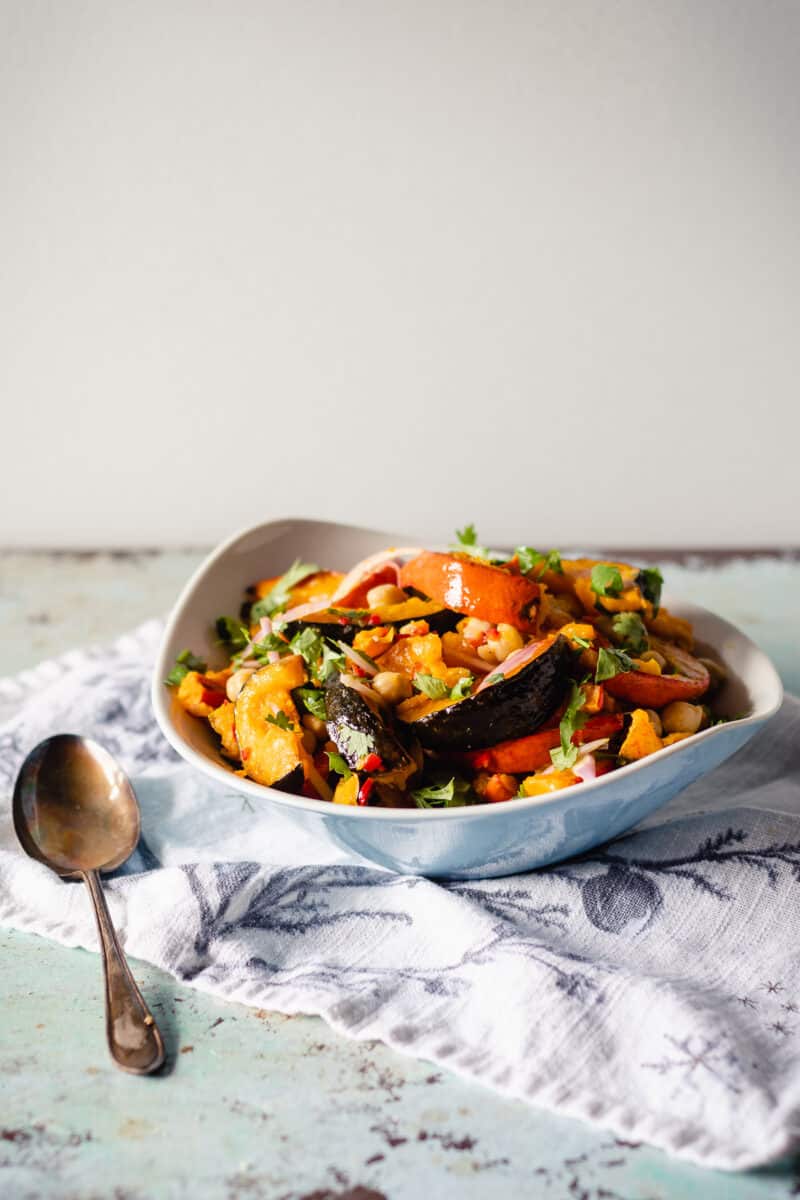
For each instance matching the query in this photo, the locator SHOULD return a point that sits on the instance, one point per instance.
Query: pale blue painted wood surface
(257, 1106)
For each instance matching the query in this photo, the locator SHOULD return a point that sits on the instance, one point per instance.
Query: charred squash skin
(512, 708)
(443, 620)
(476, 589)
(359, 733)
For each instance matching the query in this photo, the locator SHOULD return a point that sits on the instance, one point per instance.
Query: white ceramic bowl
(460, 843)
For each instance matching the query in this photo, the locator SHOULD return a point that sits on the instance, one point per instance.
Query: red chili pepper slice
(364, 792)
(373, 762)
(375, 619)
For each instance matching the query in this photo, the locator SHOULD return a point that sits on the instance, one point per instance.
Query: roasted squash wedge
(474, 588)
(268, 728)
(222, 722)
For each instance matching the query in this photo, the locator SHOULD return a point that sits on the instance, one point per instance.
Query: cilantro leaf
(280, 593)
(529, 558)
(498, 677)
(337, 764)
(232, 632)
(313, 701)
(451, 793)
(280, 719)
(269, 643)
(611, 663)
(629, 632)
(566, 754)
(583, 642)
(332, 661)
(184, 663)
(650, 581)
(468, 542)
(308, 644)
(435, 688)
(462, 687)
(606, 580)
(354, 744)
(352, 614)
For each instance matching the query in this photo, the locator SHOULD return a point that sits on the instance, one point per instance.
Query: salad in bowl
(448, 678)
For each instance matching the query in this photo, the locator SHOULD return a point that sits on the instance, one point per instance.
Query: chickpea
(654, 656)
(393, 686)
(236, 682)
(680, 717)
(473, 631)
(497, 649)
(385, 593)
(309, 741)
(315, 725)
(655, 720)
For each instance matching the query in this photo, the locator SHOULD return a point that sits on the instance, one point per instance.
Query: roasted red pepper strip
(530, 753)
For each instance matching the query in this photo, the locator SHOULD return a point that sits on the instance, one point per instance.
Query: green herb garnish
(232, 632)
(337, 764)
(530, 559)
(468, 543)
(462, 687)
(650, 581)
(351, 614)
(280, 719)
(280, 594)
(435, 688)
(267, 644)
(356, 744)
(313, 700)
(611, 663)
(606, 580)
(452, 793)
(574, 718)
(629, 632)
(332, 662)
(184, 663)
(498, 677)
(308, 644)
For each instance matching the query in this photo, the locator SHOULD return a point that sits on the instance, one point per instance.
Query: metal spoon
(76, 812)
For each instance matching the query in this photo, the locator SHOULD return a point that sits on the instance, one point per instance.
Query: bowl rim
(161, 701)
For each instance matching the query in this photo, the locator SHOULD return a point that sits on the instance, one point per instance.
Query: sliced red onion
(360, 661)
(368, 565)
(273, 656)
(514, 661)
(585, 768)
(358, 685)
(265, 627)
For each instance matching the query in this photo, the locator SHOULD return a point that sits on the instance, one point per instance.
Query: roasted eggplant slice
(364, 737)
(511, 708)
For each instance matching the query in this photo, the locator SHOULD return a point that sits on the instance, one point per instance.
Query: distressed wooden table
(256, 1106)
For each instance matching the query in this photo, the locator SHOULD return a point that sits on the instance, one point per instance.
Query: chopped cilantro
(232, 632)
(606, 580)
(337, 764)
(498, 677)
(529, 559)
(435, 688)
(462, 687)
(313, 700)
(611, 663)
(269, 643)
(450, 793)
(332, 661)
(308, 644)
(280, 594)
(629, 632)
(583, 642)
(650, 581)
(468, 542)
(573, 719)
(354, 744)
(184, 663)
(280, 719)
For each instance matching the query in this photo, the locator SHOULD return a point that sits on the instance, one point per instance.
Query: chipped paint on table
(254, 1105)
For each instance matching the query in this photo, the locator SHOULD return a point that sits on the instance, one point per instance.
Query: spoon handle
(133, 1036)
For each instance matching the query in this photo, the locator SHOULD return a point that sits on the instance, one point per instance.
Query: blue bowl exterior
(507, 840)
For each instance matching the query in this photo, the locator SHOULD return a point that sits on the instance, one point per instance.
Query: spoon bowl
(75, 811)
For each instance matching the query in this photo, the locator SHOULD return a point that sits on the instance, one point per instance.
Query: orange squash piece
(477, 589)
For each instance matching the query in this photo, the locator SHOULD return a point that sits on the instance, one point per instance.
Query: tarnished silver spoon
(76, 812)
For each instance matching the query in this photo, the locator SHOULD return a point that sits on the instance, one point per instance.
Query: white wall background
(414, 263)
